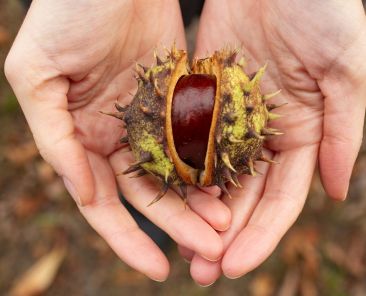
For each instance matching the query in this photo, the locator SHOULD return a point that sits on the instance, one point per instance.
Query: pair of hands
(73, 58)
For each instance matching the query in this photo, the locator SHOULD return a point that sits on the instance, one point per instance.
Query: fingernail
(205, 286)
(158, 280)
(186, 261)
(211, 260)
(345, 193)
(72, 190)
(224, 228)
(234, 277)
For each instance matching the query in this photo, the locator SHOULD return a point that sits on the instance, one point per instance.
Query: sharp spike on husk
(123, 140)
(232, 139)
(151, 78)
(274, 116)
(229, 117)
(120, 108)
(145, 157)
(182, 192)
(253, 134)
(265, 159)
(246, 94)
(140, 173)
(249, 108)
(166, 51)
(145, 109)
(251, 167)
(225, 158)
(131, 169)
(236, 180)
(223, 188)
(270, 132)
(242, 62)
(218, 138)
(173, 51)
(271, 95)
(117, 115)
(160, 140)
(144, 68)
(142, 77)
(258, 172)
(270, 107)
(228, 176)
(166, 176)
(157, 89)
(231, 58)
(258, 75)
(252, 75)
(159, 61)
(161, 193)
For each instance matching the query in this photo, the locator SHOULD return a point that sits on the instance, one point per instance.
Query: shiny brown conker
(193, 103)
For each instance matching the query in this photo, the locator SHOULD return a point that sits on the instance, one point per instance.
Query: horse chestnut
(203, 123)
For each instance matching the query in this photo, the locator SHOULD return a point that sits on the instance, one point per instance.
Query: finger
(180, 222)
(42, 96)
(211, 190)
(207, 40)
(343, 130)
(112, 221)
(241, 205)
(187, 254)
(283, 198)
(209, 208)
(204, 272)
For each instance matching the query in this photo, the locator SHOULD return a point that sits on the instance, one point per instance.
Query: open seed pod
(203, 123)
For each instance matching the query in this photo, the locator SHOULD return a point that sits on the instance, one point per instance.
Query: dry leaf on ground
(41, 275)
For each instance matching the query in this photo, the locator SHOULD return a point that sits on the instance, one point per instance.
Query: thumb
(344, 114)
(344, 88)
(42, 96)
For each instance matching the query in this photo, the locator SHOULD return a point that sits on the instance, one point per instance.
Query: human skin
(315, 52)
(72, 59)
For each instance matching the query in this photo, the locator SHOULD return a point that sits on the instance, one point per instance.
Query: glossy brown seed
(193, 102)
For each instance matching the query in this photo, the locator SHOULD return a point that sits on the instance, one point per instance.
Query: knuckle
(10, 67)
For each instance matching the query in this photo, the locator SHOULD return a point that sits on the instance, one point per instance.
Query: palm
(106, 75)
(308, 49)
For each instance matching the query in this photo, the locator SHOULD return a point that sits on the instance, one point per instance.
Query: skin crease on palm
(66, 64)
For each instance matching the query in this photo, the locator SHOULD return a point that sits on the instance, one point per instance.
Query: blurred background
(47, 248)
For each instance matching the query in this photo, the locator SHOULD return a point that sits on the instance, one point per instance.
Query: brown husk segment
(210, 66)
(186, 172)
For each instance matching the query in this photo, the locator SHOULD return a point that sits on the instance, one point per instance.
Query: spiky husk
(237, 132)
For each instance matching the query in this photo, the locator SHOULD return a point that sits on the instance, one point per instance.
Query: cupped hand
(72, 59)
(315, 52)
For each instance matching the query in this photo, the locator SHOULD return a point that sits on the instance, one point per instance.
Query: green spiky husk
(240, 128)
